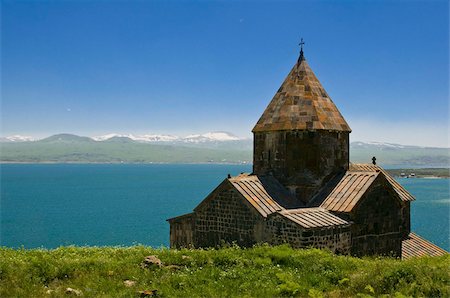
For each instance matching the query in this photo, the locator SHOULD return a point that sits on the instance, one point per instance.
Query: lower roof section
(264, 193)
(311, 218)
(416, 246)
(350, 189)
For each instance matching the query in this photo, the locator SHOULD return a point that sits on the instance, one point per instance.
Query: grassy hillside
(229, 272)
(412, 156)
(115, 151)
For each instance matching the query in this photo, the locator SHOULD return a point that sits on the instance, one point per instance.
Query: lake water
(48, 205)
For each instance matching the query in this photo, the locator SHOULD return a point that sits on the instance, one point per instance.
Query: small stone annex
(303, 190)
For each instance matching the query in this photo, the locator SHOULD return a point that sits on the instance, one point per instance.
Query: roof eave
(180, 217)
(256, 130)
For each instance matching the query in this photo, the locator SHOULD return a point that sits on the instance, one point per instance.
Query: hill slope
(195, 149)
(395, 154)
(115, 151)
(228, 272)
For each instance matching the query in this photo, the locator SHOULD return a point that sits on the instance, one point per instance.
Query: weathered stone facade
(279, 230)
(378, 223)
(303, 190)
(301, 160)
(182, 229)
(226, 218)
(405, 211)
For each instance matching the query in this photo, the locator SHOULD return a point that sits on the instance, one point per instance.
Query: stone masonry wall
(301, 160)
(377, 223)
(226, 218)
(279, 230)
(406, 219)
(182, 231)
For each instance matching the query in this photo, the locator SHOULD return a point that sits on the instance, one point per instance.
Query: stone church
(303, 190)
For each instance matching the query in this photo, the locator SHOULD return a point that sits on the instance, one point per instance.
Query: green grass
(261, 271)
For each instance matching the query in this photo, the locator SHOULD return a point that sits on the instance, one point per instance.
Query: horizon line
(30, 138)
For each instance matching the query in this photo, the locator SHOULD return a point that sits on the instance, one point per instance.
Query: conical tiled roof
(301, 103)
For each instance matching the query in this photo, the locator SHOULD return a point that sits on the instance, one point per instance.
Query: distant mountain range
(217, 136)
(214, 147)
(400, 155)
(217, 147)
(17, 138)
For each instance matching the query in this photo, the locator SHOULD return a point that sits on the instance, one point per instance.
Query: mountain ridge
(216, 136)
(201, 148)
(219, 136)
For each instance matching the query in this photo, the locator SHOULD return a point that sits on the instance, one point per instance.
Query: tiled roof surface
(301, 103)
(265, 194)
(313, 217)
(363, 167)
(403, 193)
(349, 191)
(416, 246)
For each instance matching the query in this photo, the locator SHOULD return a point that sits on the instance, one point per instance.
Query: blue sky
(180, 67)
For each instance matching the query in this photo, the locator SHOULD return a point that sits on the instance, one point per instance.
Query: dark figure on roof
(374, 160)
(303, 189)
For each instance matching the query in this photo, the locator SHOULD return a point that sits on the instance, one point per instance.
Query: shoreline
(123, 163)
(423, 173)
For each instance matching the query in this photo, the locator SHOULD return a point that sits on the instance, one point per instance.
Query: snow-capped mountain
(147, 138)
(106, 137)
(220, 136)
(380, 145)
(17, 138)
(154, 138)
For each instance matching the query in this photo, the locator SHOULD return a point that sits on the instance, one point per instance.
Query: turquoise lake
(48, 205)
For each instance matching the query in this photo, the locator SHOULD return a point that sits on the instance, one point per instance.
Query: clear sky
(181, 67)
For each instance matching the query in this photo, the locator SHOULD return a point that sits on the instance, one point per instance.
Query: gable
(379, 199)
(350, 189)
(225, 201)
(223, 186)
(400, 190)
(265, 195)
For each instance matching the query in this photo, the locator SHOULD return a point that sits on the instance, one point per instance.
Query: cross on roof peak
(301, 44)
(301, 58)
